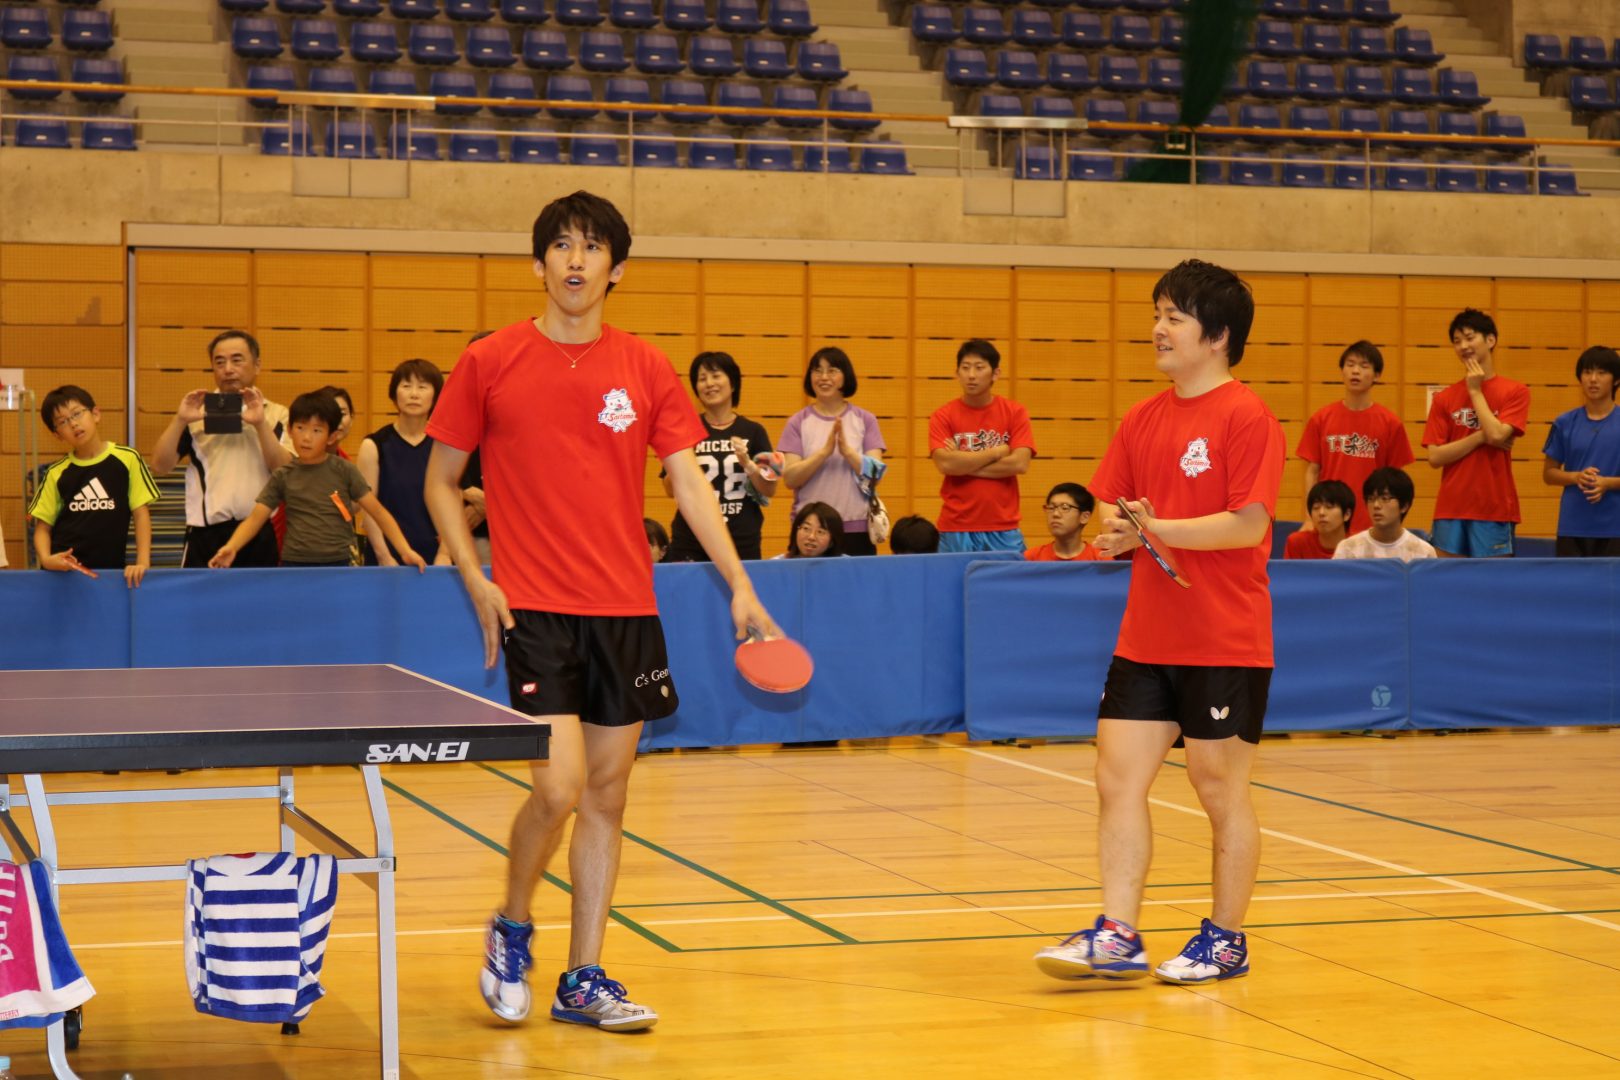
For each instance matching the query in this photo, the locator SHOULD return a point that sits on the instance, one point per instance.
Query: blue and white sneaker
(587, 996)
(1213, 954)
(1109, 950)
(504, 980)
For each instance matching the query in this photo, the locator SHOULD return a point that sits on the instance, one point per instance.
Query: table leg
(289, 838)
(387, 958)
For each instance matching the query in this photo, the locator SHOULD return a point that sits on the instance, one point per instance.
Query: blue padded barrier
(55, 621)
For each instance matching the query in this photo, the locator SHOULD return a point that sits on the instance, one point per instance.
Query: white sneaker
(588, 996)
(504, 980)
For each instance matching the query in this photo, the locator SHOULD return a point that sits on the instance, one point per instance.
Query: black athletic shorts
(1207, 702)
(609, 670)
(1587, 547)
(204, 541)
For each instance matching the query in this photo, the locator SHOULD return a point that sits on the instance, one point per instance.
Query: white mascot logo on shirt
(1196, 459)
(617, 412)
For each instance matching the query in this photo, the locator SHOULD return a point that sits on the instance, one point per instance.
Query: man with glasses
(981, 444)
(1068, 508)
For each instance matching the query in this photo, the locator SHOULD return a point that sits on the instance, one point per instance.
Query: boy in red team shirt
(1332, 504)
(1472, 425)
(1200, 465)
(981, 444)
(1349, 439)
(1068, 507)
(563, 410)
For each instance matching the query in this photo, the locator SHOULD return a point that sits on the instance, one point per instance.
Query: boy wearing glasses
(981, 444)
(86, 502)
(1068, 508)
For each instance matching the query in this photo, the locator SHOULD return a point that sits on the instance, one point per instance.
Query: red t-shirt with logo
(977, 503)
(564, 453)
(1046, 553)
(1348, 445)
(1191, 457)
(1303, 544)
(1479, 486)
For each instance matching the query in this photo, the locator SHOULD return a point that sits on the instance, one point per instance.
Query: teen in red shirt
(981, 444)
(1200, 466)
(1331, 505)
(1350, 439)
(563, 411)
(1068, 508)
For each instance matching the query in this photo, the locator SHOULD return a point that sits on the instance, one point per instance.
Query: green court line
(613, 913)
(737, 886)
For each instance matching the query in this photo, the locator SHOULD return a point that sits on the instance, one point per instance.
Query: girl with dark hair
(818, 533)
(825, 444)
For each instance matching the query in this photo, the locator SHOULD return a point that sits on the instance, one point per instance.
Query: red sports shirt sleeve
(1437, 431)
(1400, 447)
(1257, 455)
(675, 424)
(458, 414)
(1022, 434)
(940, 435)
(1310, 443)
(1515, 408)
(1113, 480)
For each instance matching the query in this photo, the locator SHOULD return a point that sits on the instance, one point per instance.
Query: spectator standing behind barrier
(913, 535)
(828, 444)
(86, 502)
(1470, 433)
(1068, 507)
(726, 455)
(1332, 505)
(1583, 458)
(225, 473)
(981, 443)
(394, 458)
(1388, 496)
(1348, 439)
(818, 533)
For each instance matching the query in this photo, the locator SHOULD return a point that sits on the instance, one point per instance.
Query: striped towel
(256, 929)
(39, 979)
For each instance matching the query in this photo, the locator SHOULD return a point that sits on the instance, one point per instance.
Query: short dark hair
(592, 215)
(480, 336)
(913, 535)
(656, 534)
(61, 398)
(1392, 482)
(339, 392)
(725, 365)
(425, 370)
(830, 520)
(316, 405)
(1334, 493)
(1085, 500)
(837, 358)
(982, 348)
(1599, 358)
(1472, 319)
(1367, 351)
(226, 335)
(1216, 297)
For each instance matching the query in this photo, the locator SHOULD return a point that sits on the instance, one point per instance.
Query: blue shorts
(1473, 539)
(1006, 540)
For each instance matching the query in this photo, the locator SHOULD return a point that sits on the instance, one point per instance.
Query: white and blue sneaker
(1212, 955)
(1109, 950)
(504, 980)
(587, 996)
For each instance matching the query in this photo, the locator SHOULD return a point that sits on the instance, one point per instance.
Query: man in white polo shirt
(225, 473)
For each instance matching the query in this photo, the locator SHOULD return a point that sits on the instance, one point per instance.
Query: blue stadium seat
(517, 86)
(1219, 116)
(1282, 9)
(1323, 43)
(490, 47)
(655, 154)
(547, 50)
(350, 139)
(1363, 82)
(712, 154)
(796, 99)
(1017, 69)
(1506, 127)
(1416, 47)
(1590, 94)
(885, 159)
(567, 88)
(734, 95)
(742, 17)
(1093, 167)
(288, 140)
(1374, 11)
(1068, 71)
(87, 69)
(1369, 45)
(46, 132)
(1251, 170)
(1268, 79)
(1164, 75)
(984, 26)
(378, 42)
(1543, 52)
(790, 18)
(593, 150)
(332, 80)
(1409, 122)
(767, 156)
(391, 81)
(685, 92)
(1460, 90)
(1158, 112)
(453, 84)
(1462, 124)
(315, 39)
(764, 58)
(469, 11)
(243, 7)
(632, 14)
(1404, 174)
(1120, 75)
(1310, 118)
(1132, 32)
(1048, 107)
(833, 158)
(253, 37)
(850, 101)
(1106, 111)
(1152, 7)
(1172, 28)
(269, 77)
(409, 144)
(1316, 82)
(1350, 175)
(819, 61)
(1507, 182)
(712, 55)
(963, 67)
(1303, 174)
(1587, 53)
(686, 15)
(1273, 37)
(413, 9)
(534, 148)
(578, 13)
(1211, 172)
(932, 23)
(1260, 116)
(1361, 120)
(357, 9)
(1083, 30)
(1000, 105)
(33, 69)
(301, 7)
(1034, 29)
(602, 51)
(524, 12)
(433, 43)
(91, 31)
(1036, 163)
(1329, 10)
(1457, 176)
(474, 144)
(656, 54)
(632, 91)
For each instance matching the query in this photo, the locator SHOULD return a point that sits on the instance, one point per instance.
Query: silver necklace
(573, 361)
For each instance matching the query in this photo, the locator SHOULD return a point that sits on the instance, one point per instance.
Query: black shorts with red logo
(1207, 702)
(609, 670)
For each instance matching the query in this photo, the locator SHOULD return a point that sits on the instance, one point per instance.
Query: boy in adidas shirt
(1199, 465)
(84, 506)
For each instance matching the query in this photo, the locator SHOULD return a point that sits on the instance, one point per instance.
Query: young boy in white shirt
(1387, 494)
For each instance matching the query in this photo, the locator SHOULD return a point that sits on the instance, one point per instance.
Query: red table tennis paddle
(1155, 547)
(777, 665)
(75, 564)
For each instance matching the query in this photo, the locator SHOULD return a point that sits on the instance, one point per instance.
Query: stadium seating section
(62, 42)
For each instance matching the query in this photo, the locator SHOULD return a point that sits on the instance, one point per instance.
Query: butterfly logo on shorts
(617, 411)
(1220, 714)
(1196, 459)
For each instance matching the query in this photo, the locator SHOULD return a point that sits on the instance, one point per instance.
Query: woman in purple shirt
(823, 445)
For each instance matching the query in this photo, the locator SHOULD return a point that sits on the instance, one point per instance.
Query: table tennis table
(241, 717)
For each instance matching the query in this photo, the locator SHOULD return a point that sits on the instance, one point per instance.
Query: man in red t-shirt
(1350, 439)
(563, 410)
(1068, 508)
(1470, 433)
(981, 443)
(1199, 465)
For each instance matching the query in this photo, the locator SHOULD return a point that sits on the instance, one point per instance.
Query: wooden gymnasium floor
(1428, 907)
